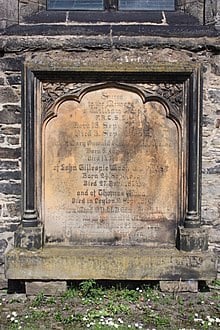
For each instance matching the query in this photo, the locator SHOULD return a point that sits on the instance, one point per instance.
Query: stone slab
(113, 263)
(179, 286)
(112, 175)
(50, 288)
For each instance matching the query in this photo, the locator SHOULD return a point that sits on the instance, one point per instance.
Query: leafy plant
(38, 300)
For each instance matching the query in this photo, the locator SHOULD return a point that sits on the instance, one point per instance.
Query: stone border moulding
(190, 260)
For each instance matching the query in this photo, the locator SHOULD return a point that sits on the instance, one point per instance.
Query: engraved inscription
(111, 171)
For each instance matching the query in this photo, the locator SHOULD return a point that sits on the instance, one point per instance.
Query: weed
(69, 294)
(130, 295)
(87, 287)
(51, 301)
(38, 300)
(37, 314)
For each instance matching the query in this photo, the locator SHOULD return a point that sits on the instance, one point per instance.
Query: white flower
(8, 316)
(12, 319)
(14, 314)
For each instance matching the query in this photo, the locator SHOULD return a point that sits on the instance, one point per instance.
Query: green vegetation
(89, 305)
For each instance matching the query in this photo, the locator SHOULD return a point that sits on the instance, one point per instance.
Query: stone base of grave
(50, 288)
(110, 263)
(179, 286)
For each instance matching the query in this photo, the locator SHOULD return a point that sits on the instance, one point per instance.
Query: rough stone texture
(55, 288)
(179, 286)
(9, 13)
(117, 263)
(193, 239)
(91, 50)
(29, 238)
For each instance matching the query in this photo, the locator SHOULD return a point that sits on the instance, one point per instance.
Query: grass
(90, 305)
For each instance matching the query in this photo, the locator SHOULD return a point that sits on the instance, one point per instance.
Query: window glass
(146, 4)
(76, 4)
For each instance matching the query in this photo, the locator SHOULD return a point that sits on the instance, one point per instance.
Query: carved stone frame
(191, 236)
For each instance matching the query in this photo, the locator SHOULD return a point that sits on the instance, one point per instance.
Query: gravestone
(111, 176)
(111, 171)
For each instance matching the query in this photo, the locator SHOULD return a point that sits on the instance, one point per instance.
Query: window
(111, 4)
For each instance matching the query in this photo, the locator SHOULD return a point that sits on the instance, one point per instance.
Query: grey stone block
(9, 153)
(14, 79)
(10, 130)
(10, 175)
(9, 165)
(51, 288)
(30, 238)
(10, 114)
(6, 94)
(179, 286)
(12, 63)
(13, 140)
(10, 188)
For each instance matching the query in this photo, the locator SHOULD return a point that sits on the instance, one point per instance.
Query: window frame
(109, 5)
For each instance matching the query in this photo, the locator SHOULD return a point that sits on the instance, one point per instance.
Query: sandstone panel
(110, 171)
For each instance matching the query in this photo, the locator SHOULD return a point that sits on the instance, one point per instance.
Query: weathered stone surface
(30, 238)
(109, 175)
(9, 165)
(13, 140)
(10, 153)
(10, 130)
(54, 288)
(214, 170)
(123, 49)
(119, 263)
(10, 114)
(214, 95)
(6, 94)
(12, 63)
(14, 79)
(2, 81)
(193, 239)
(82, 43)
(10, 188)
(10, 175)
(179, 286)
(3, 246)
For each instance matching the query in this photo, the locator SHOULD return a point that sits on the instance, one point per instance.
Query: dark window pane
(146, 4)
(75, 4)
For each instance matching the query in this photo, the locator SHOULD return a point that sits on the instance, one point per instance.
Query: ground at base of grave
(91, 305)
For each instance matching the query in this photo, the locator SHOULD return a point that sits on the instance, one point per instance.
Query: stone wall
(14, 11)
(15, 50)
(10, 153)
